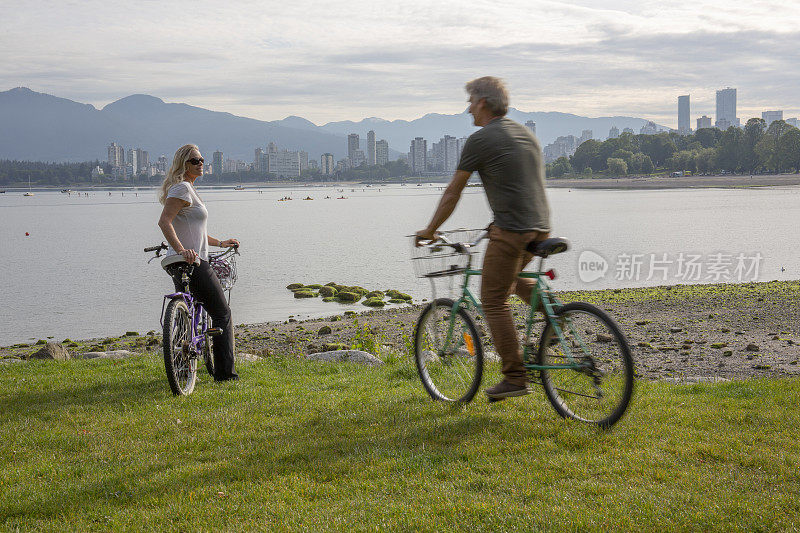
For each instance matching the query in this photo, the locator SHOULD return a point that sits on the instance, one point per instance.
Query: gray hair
(491, 89)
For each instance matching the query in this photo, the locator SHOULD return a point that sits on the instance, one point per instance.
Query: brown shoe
(504, 389)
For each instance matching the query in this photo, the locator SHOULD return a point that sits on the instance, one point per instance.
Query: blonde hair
(177, 172)
(493, 90)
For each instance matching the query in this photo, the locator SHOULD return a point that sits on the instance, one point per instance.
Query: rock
(399, 301)
(675, 330)
(642, 322)
(66, 341)
(725, 330)
(247, 357)
(41, 341)
(304, 294)
(51, 351)
(762, 367)
(346, 356)
(336, 318)
(602, 337)
(332, 347)
(491, 356)
(719, 345)
(727, 353)
(644, 345)
(111, 354)
(131, 334)
(374, 302)
(294, 286)
(375, 294)
(327, 291)
(324, 330)
(349, 313)
(151, 333)
(329, 299)
(313, 286)
(752, 347)
(346, 296)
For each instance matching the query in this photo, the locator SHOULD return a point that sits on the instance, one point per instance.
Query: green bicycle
(581, 358)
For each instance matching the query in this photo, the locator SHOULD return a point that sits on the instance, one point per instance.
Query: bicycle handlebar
(162, 246)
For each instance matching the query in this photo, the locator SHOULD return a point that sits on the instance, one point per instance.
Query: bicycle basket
(224, 268)
(437, 260)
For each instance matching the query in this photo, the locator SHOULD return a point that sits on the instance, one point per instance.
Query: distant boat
(30, 192)
(3, 191)
(66, 191)
(239, 188)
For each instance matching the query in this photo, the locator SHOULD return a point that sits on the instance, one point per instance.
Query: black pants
(204, 285)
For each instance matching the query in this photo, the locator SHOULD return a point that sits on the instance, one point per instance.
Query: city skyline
(402, 61)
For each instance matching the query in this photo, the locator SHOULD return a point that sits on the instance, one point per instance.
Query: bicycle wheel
(208, 347)
(599, 388)
(181, 367)
(448, 352)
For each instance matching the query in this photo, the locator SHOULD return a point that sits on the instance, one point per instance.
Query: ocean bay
(81, 271)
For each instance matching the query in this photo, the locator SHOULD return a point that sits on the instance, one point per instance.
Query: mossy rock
(339, 288)
(331, 284)
(347, 296)
(349, 313)
(327, 291)
(375, 294)
(398, 295)
(336, 318)
(72, 345)
(374, 302)
(304, 294)
(361, 291)
(131, 334)
(315, 286)
(294, 286)
(41, 341)
(330, 347)
(399, 301)
(330, 299)
(66, 341)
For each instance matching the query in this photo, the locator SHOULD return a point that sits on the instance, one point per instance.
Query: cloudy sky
(330, 60)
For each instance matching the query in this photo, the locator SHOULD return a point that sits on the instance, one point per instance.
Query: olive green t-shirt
(509, 160)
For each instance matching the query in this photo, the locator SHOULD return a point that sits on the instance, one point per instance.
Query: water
(81, 272)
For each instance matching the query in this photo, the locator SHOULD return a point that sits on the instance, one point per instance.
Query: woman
(183, 222)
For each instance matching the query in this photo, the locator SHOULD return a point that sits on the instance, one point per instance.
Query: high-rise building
(161, 166)
(684, 118)
(771, 116)
(793, 122)
(326, 164)
(381, 152)
(585, 136)
(358, 158)
(726, 109)
(371, 157)
(531, 125)
(142, 159)
(417, 156)
(116, 155)
(133, 161)
(258, 159)
(303, 156)
(613, 133)
(649, 128)
(703, 122)
(352, 146)
(216, 163)
(628, 130)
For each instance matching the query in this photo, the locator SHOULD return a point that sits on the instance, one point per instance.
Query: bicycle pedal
(214, 332)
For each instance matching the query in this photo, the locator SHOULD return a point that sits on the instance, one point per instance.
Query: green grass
(103, 445)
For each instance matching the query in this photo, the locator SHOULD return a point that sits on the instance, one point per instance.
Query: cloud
(331, 61)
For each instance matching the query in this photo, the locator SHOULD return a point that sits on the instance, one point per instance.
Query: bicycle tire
(600, 392)
(453, 375)
(181, 368)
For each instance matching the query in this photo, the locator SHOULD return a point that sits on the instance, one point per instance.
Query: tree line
(753, 149)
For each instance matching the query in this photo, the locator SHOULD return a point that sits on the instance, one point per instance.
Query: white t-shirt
(191, 221)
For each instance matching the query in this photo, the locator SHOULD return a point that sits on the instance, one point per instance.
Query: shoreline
(678, 332)
(683, 182)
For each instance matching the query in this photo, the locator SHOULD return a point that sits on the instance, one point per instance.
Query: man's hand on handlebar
(425, 236)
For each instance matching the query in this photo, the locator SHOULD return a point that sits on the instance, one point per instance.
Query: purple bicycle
(186, 325)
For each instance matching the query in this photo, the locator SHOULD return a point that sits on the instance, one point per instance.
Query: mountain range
(41, 127)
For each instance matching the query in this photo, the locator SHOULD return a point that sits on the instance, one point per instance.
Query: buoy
(27, 234)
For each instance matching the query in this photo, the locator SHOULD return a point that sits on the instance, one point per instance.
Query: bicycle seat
(171, 262)
(553, 245)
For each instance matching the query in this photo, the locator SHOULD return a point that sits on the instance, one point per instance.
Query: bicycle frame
(541, 291)
(196, 312)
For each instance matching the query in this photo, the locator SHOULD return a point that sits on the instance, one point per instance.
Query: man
(509, 160)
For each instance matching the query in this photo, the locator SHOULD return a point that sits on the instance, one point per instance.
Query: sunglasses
(195, 161)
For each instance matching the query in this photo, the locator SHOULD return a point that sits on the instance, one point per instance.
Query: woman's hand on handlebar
(229, 243)
(190, 256)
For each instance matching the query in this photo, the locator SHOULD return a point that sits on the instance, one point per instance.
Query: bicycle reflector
(468, 342)
(551, 274)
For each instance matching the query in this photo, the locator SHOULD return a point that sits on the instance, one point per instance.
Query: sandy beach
(684, 182)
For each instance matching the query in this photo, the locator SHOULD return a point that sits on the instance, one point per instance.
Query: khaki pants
(505, 258)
